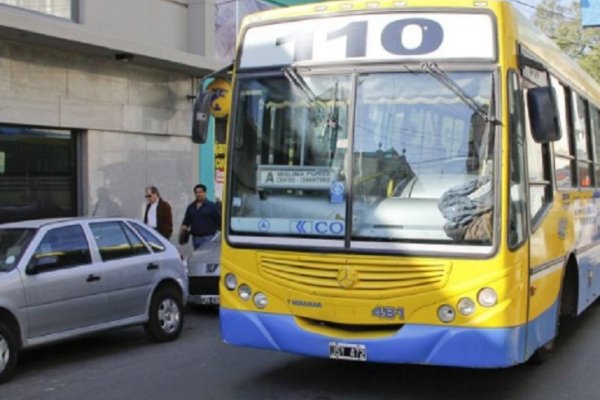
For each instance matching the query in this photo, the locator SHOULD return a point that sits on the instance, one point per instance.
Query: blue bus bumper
(413, 344)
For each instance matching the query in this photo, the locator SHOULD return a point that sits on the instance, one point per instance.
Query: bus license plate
(347, 351)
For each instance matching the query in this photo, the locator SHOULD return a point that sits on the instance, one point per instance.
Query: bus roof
(559, 63)
(523, 30)
(348, 6)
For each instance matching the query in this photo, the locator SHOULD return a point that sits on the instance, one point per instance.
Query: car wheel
(8, 353)
(166, 316)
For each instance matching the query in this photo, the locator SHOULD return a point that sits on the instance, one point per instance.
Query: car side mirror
(200, 117)
(543, 114)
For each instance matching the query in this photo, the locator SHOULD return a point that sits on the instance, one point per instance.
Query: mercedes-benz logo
(346, 277)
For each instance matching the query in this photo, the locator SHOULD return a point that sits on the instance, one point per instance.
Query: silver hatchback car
(64, 278)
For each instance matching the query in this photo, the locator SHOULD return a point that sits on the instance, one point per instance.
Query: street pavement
(123, 364)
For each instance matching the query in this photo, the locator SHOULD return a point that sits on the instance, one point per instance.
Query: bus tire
(566, 308)
(542, 354)
(9, 352)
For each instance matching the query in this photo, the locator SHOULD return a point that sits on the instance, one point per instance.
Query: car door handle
(152, 266)
(92, 278)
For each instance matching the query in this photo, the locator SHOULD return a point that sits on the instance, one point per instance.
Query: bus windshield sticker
(336, 193)
(296, 177)
(290, 226)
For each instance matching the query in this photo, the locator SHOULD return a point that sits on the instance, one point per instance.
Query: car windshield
(13, 243)
(420, 161)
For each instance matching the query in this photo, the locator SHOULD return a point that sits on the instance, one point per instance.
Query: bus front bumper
(412, 344)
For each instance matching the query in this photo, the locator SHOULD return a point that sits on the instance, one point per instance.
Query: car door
(62, 284)
(128, 269)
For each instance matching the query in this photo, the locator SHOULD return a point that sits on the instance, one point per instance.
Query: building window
(39, 173)
(59, 8)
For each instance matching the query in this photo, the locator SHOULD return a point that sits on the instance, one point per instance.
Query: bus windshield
(418, 160)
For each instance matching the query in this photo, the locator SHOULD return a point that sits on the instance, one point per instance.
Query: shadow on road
(102, 345)
(350, 380)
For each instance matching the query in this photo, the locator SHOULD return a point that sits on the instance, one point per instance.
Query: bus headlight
(487, 297)
(230, 281)
(466, 306)
(260, 300)
(446, 313)
(244, 292)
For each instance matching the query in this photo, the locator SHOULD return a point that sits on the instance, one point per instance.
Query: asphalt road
(124, 365)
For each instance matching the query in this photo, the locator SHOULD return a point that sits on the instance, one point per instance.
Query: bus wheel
(542, 354)
(566, 308)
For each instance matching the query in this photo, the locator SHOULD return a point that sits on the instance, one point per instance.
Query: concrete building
(95, 104)
(96, 99)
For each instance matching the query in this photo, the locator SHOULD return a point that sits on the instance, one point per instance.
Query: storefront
(38, 173)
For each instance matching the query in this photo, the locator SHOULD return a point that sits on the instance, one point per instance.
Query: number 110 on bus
(413, 36)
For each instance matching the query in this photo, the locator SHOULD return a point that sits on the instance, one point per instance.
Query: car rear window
(155, 243)
(114, 242)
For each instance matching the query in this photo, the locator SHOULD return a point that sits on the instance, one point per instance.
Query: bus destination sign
(371, 37)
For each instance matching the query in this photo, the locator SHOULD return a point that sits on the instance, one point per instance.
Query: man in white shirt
(158, 213)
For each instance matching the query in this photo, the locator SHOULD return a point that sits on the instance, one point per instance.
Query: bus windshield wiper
(331, 120)
(487, 115)
(291, 73)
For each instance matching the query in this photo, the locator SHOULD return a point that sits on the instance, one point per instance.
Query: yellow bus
(408, 182)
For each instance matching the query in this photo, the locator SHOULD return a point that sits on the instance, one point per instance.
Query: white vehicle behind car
(64, 278)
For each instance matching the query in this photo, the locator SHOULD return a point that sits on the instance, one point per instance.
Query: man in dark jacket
(202, 218)
(158, 213)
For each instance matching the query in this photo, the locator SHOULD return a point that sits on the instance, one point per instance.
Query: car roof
(38, 223)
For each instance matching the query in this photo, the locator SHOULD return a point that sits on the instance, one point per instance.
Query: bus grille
(345, 277)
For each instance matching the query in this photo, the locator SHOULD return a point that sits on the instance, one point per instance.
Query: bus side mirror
(543, 114)
(200, 116)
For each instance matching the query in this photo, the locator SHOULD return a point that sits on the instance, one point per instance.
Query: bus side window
(582, 140)
(518, 181)
(538, 162)
(595, 134)
(564, 149)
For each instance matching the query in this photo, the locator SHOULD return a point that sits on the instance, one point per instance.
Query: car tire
(165, 319)
(9, 352)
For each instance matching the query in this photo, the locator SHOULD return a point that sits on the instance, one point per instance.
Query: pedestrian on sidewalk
(202, 218)
(159, 214)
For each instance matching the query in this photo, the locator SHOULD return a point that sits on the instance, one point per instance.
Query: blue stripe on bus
(415, 344)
